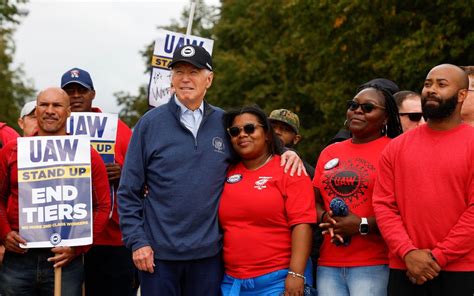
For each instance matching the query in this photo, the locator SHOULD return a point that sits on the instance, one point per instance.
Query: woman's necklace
(264, 163)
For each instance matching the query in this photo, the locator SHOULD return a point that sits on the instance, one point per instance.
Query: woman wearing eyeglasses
(353, 257)
(264, 213)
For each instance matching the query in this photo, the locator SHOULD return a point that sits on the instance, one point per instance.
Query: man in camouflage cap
(286, 126)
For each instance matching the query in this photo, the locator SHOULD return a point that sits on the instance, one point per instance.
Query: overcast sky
(102, 37)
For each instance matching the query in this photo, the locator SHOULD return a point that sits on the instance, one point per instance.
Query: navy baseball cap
(193, 54)
(79, 76)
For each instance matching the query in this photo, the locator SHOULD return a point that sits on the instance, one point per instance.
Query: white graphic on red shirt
(260, 183)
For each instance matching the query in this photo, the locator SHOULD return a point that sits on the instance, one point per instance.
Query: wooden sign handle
(57, 281)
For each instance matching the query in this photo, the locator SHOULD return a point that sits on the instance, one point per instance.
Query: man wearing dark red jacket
(108, 265)
(31, 272)
(7, 134)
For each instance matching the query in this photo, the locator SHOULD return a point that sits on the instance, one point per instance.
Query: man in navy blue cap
(109, 269)
(179, 154)
(77, 83)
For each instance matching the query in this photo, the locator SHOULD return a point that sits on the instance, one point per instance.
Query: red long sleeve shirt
(9, 192)
(7, 134)
(424, 196)
(112, 236)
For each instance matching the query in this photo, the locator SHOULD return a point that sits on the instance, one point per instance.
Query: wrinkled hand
(113, 172)
(294, 286)
(62, 256)
(421, 266)
(291, 160)
(12, 242)
(144, 259)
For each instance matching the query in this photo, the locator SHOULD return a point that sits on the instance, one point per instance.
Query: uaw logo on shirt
(74, 73)
(349, 180)
(218, 144)
(260, 183)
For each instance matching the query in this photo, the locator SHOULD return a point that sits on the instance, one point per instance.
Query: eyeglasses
(415, 116)
(249, 129)
(366, 107)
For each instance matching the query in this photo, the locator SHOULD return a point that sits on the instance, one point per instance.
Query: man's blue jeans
(198, 277)
(353, 281)
(31, 274)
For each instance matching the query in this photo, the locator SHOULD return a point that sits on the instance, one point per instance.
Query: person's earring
(345, 123)
(384, 129)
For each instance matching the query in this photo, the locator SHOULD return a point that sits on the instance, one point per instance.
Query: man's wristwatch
(364, 226)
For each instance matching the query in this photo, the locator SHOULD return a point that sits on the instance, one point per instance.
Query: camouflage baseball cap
(287, 117)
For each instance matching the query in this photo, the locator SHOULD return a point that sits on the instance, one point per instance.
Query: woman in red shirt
(265, 214)
(353, 260)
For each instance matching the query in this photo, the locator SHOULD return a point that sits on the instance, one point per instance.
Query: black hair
(402, 95)
(274, 143)
(394, 127)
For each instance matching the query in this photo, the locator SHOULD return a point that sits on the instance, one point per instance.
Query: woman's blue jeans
(270, 284)
(353, 281)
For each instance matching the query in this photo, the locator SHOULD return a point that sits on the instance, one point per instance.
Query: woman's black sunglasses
(415, 116)
(249, 129)
(366, 107)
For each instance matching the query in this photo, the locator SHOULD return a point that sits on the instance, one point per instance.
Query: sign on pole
(101, 128)
(191, 17)
(159, 88)
(54, 191)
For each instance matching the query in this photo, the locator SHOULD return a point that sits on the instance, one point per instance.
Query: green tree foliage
(310, 56)
(205, 17)
(134, 106)
(9, 11)
(13, 90)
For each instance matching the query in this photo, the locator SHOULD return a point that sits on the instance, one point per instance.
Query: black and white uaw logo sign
(187, 51)
(55, 239)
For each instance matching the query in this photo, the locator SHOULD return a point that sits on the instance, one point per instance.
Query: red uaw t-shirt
(348, 171)
(256, 212)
